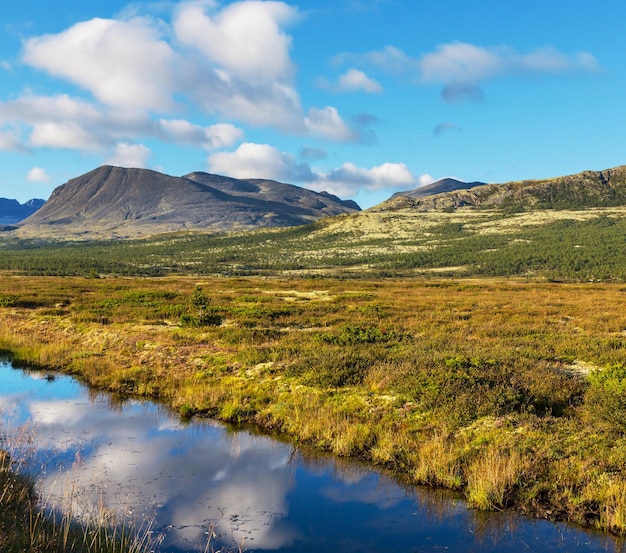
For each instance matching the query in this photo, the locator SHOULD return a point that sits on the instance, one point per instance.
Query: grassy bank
(512, 392)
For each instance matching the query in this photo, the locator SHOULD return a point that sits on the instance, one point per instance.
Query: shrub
(333, 368)
(605, 399)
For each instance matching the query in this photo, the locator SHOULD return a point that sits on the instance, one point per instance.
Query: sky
(360, 98)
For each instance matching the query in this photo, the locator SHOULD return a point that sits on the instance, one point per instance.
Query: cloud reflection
(141, 460)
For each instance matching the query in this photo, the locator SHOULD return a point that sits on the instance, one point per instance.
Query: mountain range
(114, 202)
(12, 212)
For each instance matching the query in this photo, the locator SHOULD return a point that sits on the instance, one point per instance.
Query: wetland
(509, 393)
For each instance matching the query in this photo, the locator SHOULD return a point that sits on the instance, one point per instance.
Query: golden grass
(492, 476)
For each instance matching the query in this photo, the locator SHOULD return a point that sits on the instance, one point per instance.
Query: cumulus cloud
(222, 135)
(352, 80)
(261, 160)
(244, 38)
(122, 63)
(327, 122)
(63, 135)
(232, 62)
(38, 109)
(348, 179)
(64, 122)
(244, 69)
(130, 155)
(37, 174)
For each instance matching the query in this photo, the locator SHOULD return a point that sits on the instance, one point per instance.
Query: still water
(142, 462)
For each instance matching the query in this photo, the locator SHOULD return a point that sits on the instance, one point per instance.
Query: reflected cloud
(140, 459)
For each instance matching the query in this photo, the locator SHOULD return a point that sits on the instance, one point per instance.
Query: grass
(509, 391)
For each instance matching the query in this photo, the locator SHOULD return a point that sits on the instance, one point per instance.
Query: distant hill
(580, 191)
(438, 187)
(114, 202)
(12, 212)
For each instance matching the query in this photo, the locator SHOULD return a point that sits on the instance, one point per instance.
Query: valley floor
(512, 392)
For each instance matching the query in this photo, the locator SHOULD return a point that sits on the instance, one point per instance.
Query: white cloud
(244, 38)
(62, 135)
(352, 80)
(244, 69)
(40, 109)
(327, 122)
(260, 161)
(37, 174)
(130, 155)
(459, 62)
(462, 67)
(222, 135)
(122, 63)
(233, 62)
(264, 161)
(64, 122)
(348, 179)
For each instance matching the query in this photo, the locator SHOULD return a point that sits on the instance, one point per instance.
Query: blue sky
(357, 97)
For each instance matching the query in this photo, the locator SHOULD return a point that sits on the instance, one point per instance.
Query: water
(139, 460)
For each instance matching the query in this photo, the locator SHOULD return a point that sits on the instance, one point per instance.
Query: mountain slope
(583, 190)
(118, 202)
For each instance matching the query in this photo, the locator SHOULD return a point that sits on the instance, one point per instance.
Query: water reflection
(137, 458)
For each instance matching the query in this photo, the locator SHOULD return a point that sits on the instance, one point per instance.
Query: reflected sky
(140, 461)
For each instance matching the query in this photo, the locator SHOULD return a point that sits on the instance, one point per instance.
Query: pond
(98, 453)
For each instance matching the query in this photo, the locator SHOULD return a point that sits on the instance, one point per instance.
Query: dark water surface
(139, 460)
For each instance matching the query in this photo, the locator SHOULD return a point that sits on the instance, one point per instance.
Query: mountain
(12, 212)
(438, 187)
(583, 190)
(114, 202)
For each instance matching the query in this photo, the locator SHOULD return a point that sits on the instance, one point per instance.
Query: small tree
(201, 312)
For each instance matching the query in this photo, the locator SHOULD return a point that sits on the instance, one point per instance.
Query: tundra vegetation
(510, 391)
(566, 245)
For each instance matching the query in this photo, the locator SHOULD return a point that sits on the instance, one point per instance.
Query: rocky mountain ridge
(579, 191)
